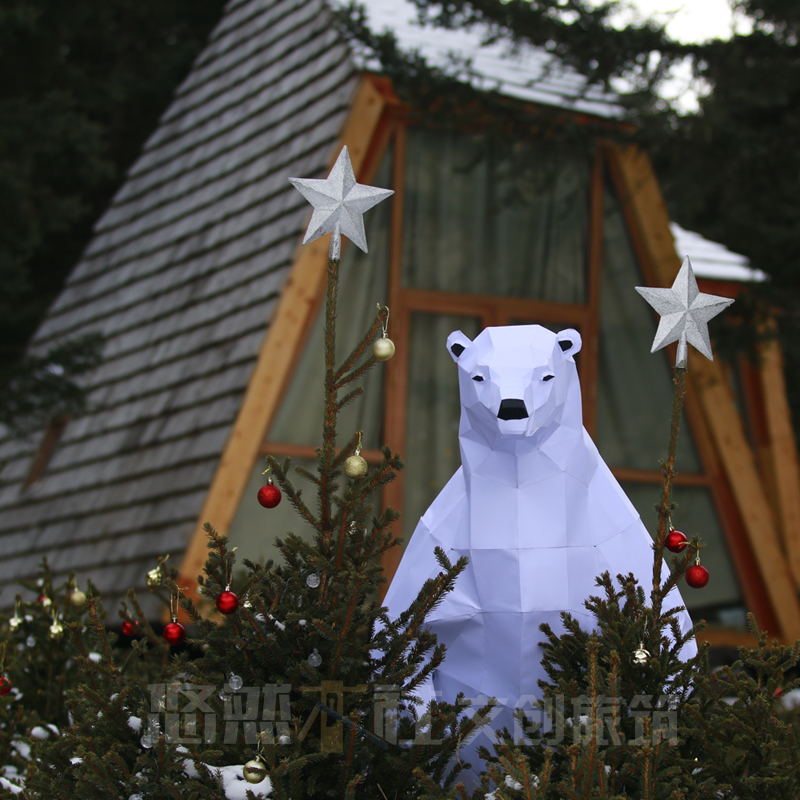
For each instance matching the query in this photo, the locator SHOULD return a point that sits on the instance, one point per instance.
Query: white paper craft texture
(536, 510)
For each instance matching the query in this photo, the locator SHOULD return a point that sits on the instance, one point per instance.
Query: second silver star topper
(339, 203)
(685, 312)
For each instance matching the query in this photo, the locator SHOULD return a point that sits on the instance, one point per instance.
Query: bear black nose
(512, 409)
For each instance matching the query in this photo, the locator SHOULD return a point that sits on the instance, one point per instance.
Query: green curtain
(503, 218)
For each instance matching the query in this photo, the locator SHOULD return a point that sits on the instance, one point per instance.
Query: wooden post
(781, 452)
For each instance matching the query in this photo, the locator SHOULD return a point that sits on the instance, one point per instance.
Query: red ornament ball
(676, 541)
(227, 602)
(130, 627)
(5, 686)
(174, 633)
(697, 576)
(269, 496)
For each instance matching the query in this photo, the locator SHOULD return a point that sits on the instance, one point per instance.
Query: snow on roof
(527, 74)
(713, 260)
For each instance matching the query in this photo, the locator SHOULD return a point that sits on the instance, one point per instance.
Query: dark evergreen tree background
(82, 85)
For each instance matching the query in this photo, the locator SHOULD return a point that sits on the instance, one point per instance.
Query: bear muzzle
(512, 409)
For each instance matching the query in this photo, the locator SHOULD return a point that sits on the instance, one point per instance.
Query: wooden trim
(726, 637)
(642, 201)
(396, 380)
(278, 352)
(781, 453)
(653, 476)
(730, 289)
(590, 354)
(310, 451)
(494, 306)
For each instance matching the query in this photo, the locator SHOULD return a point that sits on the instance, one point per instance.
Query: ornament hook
(386, 321)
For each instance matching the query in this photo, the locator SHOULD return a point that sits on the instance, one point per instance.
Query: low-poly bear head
(518, 379)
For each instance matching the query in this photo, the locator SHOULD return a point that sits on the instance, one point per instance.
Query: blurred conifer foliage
(82, 85)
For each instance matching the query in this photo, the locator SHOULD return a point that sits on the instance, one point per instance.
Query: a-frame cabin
(209, 308)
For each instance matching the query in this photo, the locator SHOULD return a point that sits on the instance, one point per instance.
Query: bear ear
(457, 343)
(569, 342)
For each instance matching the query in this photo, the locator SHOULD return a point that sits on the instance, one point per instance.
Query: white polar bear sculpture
(536, 510)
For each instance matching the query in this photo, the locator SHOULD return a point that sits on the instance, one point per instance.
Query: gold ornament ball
(355, 467)
(641, 656)
(154, 578)
(254, 771)
(383, 348)
(78, 598)
(56, 630)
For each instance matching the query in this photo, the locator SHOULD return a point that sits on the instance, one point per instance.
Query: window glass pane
(362, 284)
(495, 217)
(634, 392)
(434, 408)
(720, 602)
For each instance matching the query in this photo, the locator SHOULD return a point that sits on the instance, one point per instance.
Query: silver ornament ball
(315, 659)
(235, 682)
(313, 580)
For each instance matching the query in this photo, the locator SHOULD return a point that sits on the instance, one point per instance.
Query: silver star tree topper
(339, 203)
(685, 312)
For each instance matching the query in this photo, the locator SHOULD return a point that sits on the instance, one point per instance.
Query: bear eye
(477, 378)
(548, 377)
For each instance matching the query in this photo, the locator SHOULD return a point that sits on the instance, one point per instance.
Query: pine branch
(293, 494)
(348, 398)
(358, 352)
(666, 505)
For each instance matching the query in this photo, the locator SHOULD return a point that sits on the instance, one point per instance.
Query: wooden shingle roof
(181, 277)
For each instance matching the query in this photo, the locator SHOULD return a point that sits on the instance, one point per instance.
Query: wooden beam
(279, 351)
(781, 452)
(396, 379)
(642, 198)
(725, 637)
(590, 355)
